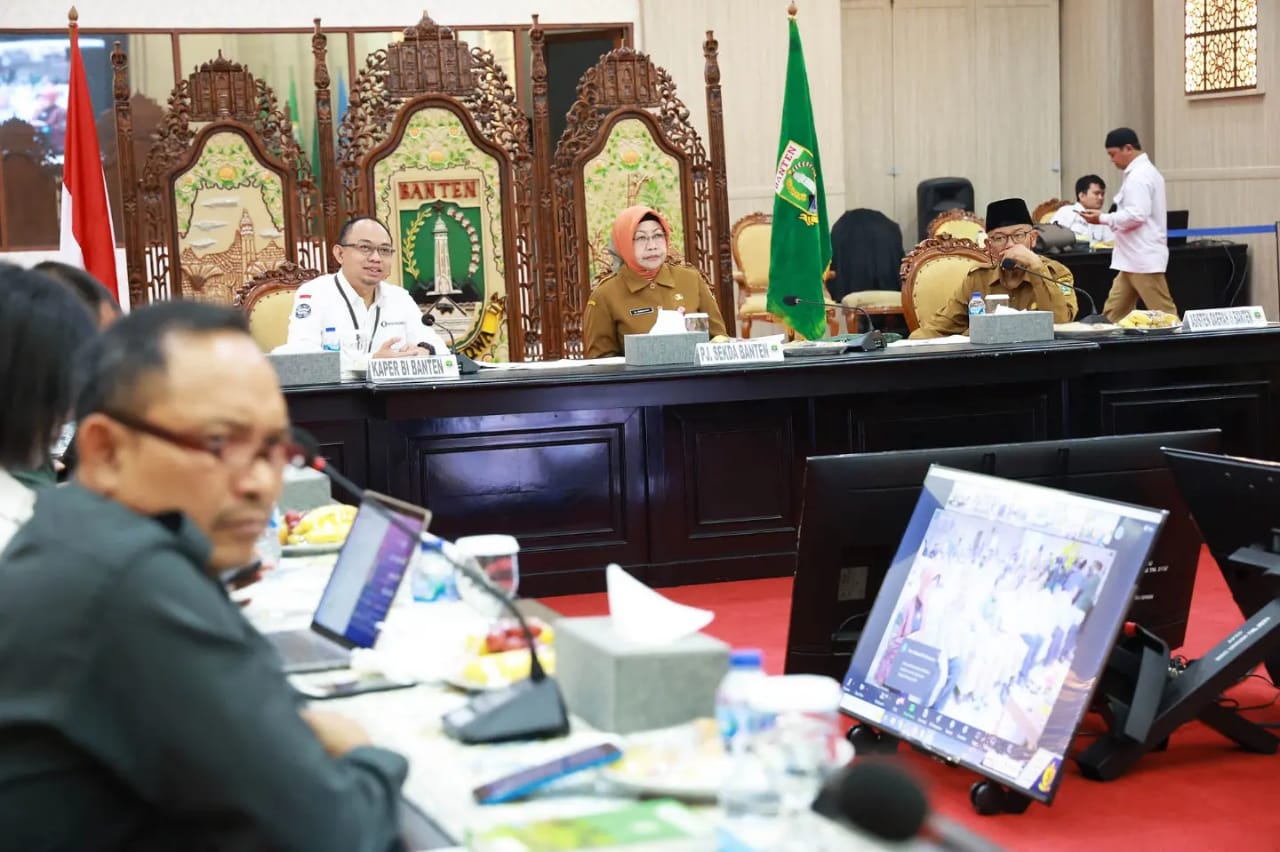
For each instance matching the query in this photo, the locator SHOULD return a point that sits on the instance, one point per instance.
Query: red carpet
(1202, 793)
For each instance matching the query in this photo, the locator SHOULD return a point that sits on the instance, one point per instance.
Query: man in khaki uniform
(1009, 236)
(627, 302)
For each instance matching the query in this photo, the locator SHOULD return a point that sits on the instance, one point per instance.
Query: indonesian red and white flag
(87, 239)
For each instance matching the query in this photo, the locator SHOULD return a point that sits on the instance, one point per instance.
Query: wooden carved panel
(220, 99)
(1241, 409)
(944, 418)
(625, 85)
(431, 70)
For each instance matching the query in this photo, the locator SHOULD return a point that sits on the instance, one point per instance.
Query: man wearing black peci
(1010, 237)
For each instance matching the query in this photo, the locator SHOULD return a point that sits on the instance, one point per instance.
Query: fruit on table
(1148, 319)
(324, 525)
(506, 667)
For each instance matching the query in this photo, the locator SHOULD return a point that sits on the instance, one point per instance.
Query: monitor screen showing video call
(994, 623)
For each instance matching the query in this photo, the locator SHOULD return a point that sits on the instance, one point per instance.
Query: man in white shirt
(1090, 191)
(359, 304)
(1141, 237)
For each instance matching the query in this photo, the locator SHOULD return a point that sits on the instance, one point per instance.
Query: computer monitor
(856, 508)
(992, 627)
(1177, 220)
(368, 572)
(1236, 503)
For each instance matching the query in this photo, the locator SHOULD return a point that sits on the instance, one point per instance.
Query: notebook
(370, 566)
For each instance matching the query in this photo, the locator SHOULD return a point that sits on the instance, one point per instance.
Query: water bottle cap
(332, 328)
(746, 658)
(977, 294)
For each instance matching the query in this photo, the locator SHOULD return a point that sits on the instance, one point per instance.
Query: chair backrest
(866, 252)
(749, 241)
(931, 272)
(629, 140)
(29, 187)
(958, 224)
(1045, 209)
(268, 300)
(225, 192)
(435, 144)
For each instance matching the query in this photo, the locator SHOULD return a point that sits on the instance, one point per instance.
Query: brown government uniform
(626, 303)
(1029, 294)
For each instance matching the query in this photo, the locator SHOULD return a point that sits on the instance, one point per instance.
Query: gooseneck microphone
(466, 364)
(527, 709)
(1009, 264)
(867, 341)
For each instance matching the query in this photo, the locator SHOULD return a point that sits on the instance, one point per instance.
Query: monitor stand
(1147, 697)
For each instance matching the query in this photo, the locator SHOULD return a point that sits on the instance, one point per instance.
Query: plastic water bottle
(977, 305)
(431, 577)
(748, 798)
(329, 341)
(269, 549)
(733, 710)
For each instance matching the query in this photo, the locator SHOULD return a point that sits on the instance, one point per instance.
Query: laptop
(1177, 220)
(361, 589)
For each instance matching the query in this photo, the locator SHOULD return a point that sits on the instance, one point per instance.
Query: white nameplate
(738, 352)
(1220, 319)
(385, 371)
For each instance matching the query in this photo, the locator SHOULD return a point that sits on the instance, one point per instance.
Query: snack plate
(1170, 329)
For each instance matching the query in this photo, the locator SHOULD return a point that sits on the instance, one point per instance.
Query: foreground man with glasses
(1010, 236)
(138, 708)
(371, 316)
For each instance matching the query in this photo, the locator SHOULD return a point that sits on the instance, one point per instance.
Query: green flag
(800, 246)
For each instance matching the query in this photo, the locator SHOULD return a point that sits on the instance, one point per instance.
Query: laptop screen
(368, 573)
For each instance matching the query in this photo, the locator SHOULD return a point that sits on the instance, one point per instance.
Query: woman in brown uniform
(627, 302)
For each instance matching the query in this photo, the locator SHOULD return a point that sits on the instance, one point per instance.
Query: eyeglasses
(368, 250)
(237, 454)
(645, 239)
(998, 240)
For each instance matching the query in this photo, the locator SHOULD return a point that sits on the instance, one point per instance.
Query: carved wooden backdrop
(431, 71)
(220, 103)
(626, 86)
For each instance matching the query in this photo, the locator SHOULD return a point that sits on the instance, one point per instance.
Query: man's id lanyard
(377, 314)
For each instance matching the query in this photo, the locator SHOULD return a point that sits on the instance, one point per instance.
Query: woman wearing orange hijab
(627, 302)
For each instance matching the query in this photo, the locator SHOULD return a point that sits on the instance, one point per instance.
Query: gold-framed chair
(1045, 209)
(749, 245)
(268, 300)
(959, 224)
(930, 273)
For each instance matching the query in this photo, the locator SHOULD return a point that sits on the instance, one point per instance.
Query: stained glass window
(1221, 45)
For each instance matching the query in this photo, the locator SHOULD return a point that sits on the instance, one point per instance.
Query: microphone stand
(1010, 264)
(529, 709)
(466, 364)
(865, 342)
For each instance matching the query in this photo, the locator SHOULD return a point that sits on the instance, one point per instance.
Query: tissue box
(307, 368)
(619, 686)
(1019, 327)
(304, 489)
(654, 350)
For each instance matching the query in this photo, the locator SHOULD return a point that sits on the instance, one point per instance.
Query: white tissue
(1005, 309)
(643, 616)
(668, 322)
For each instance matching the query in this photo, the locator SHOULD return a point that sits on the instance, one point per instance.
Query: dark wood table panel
(692, 475)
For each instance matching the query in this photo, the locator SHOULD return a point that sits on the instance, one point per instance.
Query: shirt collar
(635, 283)
(187, 538)
(1141, 158)
(353, 295)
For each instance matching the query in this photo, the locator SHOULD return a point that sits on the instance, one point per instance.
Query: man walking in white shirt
(1141, 237)
(1090, 191)
(367, 312)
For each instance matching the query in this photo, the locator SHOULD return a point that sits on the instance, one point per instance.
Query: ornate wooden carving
(29, 187)
(286, 276)
(332, 214)
(552, 345)
(221, 95)
(928, 250)
(430, 67)
(953, 215)
(722, 280)
(626, 84)
(146, 116)
(1047, 209)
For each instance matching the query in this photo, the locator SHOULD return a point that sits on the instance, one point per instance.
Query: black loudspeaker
(935, 195)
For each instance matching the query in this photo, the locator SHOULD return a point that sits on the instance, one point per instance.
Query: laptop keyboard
(306, 649)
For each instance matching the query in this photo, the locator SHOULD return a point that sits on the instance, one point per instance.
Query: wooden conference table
(691, 474)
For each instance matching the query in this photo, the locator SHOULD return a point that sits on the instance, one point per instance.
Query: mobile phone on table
(236, 575)
(525, 781)
(342, 683)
